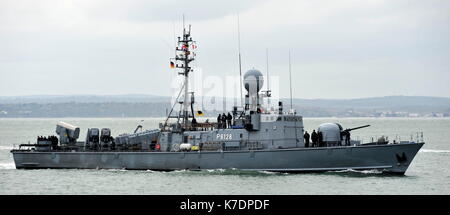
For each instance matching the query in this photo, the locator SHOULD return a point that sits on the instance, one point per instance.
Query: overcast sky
(340, 49)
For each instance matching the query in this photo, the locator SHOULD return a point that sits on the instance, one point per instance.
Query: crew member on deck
(306, 136)
(314, 138)
(347, 137)
(320, 137)
(224, 121)
(219, 121)
(229, 118)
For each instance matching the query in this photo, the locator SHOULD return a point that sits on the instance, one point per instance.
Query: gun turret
(351, 129)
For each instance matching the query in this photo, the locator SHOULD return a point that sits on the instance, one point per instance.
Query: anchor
(402, 158)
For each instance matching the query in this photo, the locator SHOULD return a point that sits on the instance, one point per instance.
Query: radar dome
(253, 81)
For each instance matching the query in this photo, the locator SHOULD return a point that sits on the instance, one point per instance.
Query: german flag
(172, 65)
(200, 113)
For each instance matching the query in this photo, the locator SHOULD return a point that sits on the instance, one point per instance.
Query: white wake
(434, 151)
(7, 166)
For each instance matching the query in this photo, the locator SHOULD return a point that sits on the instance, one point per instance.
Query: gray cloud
(170, 10)
(341, 49)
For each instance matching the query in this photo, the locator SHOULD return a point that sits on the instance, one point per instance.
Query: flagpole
(290, 77)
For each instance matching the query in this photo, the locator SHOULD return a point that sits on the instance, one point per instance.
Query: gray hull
(389, 158)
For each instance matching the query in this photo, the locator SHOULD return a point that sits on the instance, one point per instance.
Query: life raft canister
(157, 146)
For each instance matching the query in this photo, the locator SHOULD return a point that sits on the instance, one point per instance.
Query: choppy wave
(6, 147)
(232, 171)
(434, 151)
(357, 173)
(239, 172)
(113, 170)
(373, 171)
(269, 173)
(217, 170)
(7, 166)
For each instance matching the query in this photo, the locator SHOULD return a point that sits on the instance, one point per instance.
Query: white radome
(253, 81)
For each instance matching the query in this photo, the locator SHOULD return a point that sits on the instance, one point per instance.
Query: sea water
(429, 172)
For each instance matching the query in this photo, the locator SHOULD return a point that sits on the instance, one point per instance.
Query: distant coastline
(157, 106)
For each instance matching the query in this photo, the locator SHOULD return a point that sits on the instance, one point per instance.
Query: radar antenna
(240, 61)
(267, 93)
(290, 78)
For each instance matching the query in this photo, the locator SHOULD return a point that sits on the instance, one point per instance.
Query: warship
(252, 138)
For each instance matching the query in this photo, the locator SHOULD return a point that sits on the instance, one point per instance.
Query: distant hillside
(156, 106)
(376, 102)
(42, 99)
(73, 109)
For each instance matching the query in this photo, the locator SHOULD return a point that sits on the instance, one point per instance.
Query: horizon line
(164, 96)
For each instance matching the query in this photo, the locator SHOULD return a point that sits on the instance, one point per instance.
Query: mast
(186, 77)
(183, 57)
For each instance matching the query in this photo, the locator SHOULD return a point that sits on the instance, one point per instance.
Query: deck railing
(416, 137)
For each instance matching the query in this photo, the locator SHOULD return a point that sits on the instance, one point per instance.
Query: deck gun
(355, 128)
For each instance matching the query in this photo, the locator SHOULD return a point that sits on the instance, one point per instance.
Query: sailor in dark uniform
(224, 121)
(219, 121)
(314, 138)
(321, 143)
(229, 118)
(306, 136)
(347, 137)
